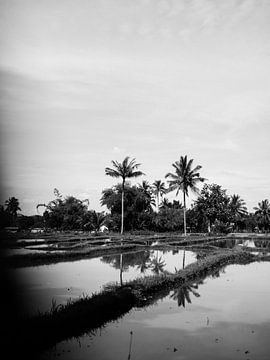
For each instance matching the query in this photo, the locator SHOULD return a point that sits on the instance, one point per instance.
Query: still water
(249, 243)
(38, 286)
(225, 317)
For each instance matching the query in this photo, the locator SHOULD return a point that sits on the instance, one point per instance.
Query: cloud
(118, 150)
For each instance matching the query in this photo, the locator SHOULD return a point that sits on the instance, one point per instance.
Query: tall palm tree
(185, 178)
(159, 190)
(126, 169)
(263, 212)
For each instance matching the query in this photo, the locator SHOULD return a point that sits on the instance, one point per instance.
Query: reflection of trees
(225, 244)
(182, 293)
(142, 260)
(128, 259)
(145, 265)
(157, 265)
(216, 272)
(265, 244)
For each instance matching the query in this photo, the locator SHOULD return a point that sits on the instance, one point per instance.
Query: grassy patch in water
(89, 313)
(87, 251)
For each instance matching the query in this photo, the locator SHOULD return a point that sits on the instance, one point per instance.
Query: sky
(89, 81)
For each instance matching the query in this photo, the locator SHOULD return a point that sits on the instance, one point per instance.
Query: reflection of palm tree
(182, 294)
(157, 265)
(121, 269)
(124, 170)
(184, 258)
(145, 265)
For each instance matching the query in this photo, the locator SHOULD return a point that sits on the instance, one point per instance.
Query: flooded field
(258, 244)
(38, 286)
(227, 316)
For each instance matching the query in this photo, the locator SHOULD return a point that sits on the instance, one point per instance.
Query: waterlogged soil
(38, 287)
(227, 316)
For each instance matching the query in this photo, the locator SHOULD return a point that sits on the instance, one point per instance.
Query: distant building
(37, 230)
(103, 228)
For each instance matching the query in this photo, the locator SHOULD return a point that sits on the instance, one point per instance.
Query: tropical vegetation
(143, 207)
(184, 179)
(125, 170)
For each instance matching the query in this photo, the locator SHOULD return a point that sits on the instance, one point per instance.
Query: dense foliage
(143, 206)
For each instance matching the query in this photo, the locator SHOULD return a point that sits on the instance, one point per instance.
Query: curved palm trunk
(185, 225)
(122, 212)
(157, 202)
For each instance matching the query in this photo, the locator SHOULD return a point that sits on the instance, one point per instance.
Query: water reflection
(157, 265)
(250, 243)
(149, 262)
(182, 293)
(216, 325)
(130, 345)
(38, 286)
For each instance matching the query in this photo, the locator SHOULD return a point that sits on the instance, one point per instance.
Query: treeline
(145, 206)
(214, 210)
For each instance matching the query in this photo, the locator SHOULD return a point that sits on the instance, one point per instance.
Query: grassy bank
(88, 250)
(87, 314)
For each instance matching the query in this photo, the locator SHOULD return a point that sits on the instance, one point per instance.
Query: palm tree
(124, 170)
(159, 189)
(12, 206)
(237, 206)
(146, 189)
(184, 179)
(263, 212)
(165, 204)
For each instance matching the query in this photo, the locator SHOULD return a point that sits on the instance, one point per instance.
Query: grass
(86, 250)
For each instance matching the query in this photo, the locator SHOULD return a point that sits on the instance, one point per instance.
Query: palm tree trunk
(185, 225)
(184, 258)
(122, 212)
(121, 269)
(157, 202)
(209, 226)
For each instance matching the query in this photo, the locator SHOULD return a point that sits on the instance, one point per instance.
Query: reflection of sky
(37, 286)
(231, 317)
(241, 293)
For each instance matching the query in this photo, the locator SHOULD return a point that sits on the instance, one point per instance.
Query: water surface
(225, 317)
(38, 286)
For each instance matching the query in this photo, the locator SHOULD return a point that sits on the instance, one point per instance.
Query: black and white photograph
(135, 179)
